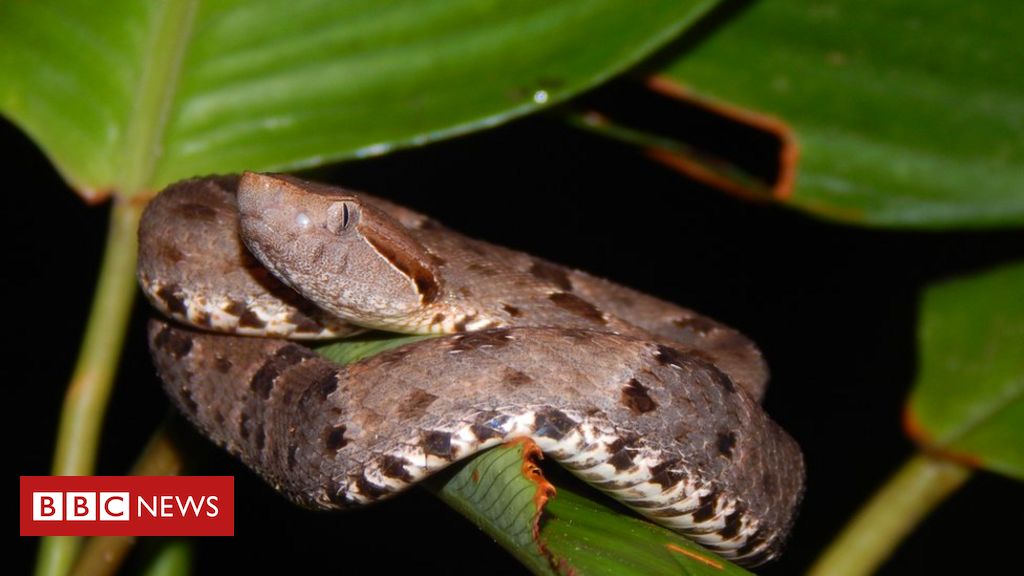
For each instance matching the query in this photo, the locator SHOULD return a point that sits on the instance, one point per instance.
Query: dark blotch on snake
(426, 284)
(721, 378)
(287, 356)
(725, 442)
(222, 365)
(303, 323)
(551, 273)
(486, 426)
(369, 489)
(635, 397)
(460, 325)
(293, 354)
(670, 356)
(291, 456)
(175, 303)
(512, 310)
(170, 253)
(250, 319)
(578, 306)
(516, 378)
(621, 461)
(427, 287)
(437, 443)
(202, 318)
(484, 432)
(706, 510)
(733, 523)
(235, 308)
(754, 541)
(666, 473)
(621, 450)
(482, 339)
(415, 404)
(394, 467)
(553, 423)
(334, 438)
(176, 343)
(334, 490)
(325, 384)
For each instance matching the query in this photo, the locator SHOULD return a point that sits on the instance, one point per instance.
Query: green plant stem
(103, 555)
(919, 486)
(85, 401)
(172, 557)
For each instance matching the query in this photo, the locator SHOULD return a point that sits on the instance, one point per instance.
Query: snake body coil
(660, 416)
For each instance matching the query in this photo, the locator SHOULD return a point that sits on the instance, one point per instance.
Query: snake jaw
(352, 259)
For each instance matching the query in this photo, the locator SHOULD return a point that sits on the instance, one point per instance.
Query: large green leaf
(905, 113)
(134, 95)
(560, 532)
(969, 398)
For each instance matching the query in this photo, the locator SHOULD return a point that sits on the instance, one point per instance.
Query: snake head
(336, 250)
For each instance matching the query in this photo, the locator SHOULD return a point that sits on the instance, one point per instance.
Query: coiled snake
(652, 403)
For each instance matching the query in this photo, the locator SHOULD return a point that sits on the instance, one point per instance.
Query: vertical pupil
(344, 215)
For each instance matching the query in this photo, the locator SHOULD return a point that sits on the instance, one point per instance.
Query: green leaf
(493, 492)
(594, 539)
(140, 94)
(502, 491)
(906, 114)
(364, 345)
(968, 401)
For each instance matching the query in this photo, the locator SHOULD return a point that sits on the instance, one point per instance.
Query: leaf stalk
(867, 541)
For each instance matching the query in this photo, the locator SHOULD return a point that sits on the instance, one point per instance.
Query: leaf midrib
(161, 68)
(988, 411)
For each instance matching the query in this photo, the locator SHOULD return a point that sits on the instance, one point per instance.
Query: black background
(833, 308)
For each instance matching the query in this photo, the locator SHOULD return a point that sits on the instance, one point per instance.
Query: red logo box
(127, 506)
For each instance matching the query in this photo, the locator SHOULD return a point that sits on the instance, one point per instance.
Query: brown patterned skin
(667, 433)
(193, 268)
(649, 401)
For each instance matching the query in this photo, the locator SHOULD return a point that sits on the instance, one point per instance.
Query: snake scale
(654, 404)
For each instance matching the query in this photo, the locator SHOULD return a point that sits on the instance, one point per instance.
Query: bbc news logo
(80, 506)
(127, 506)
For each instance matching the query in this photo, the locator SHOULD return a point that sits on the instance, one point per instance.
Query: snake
(652, 403)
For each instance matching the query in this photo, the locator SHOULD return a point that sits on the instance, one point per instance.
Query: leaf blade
(568, 533)
(968, 400)
(295, 83)
(907, 115)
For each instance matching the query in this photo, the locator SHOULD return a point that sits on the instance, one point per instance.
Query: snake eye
(340, 216)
